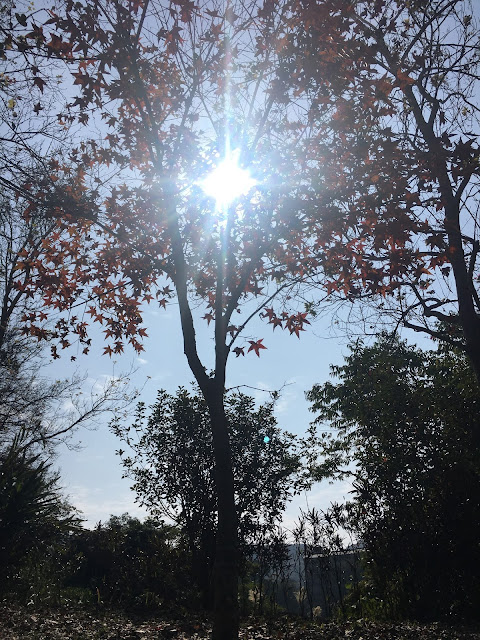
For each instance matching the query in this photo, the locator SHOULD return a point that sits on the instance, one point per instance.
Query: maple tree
(396, 85)
(32, 407)
(32, 141)
(170, 89)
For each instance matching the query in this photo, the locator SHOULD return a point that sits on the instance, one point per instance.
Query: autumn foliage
(359, 128)
(358, 122)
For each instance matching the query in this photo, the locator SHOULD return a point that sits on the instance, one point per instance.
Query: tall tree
(398, 167)
(402, 431)
(172, 89)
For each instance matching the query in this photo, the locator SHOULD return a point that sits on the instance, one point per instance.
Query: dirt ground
(20, 623)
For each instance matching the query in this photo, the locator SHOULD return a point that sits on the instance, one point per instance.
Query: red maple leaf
(256, 346)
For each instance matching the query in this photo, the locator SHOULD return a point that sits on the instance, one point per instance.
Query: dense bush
(407, 421)
(35, 524)
(132, 564)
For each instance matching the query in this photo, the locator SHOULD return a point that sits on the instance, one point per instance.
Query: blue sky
(92, 474)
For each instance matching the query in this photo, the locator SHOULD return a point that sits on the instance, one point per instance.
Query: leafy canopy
(171, 89)
(359, 123)
(402, 426)
(172, 461)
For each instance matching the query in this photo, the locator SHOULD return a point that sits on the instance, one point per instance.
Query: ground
(20, 623)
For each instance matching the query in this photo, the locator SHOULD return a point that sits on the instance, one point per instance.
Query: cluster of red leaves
(341, 192)
(293, 322)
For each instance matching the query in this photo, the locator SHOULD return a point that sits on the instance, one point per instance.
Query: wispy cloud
(160, 377)
(289, 394)
(96, 505)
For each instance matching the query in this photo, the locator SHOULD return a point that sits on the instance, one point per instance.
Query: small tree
(173, 469)
(403, 419)
(326, 560)
(269, 572)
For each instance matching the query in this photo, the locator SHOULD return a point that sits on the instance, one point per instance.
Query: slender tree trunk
(226, 610)
(469, 320)
(467, 311)
(226, 613)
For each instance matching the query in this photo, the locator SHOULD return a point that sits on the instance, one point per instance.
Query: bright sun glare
(228, 181)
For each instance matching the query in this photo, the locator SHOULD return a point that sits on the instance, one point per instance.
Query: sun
(228, 181)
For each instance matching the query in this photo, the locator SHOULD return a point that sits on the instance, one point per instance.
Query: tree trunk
(469, 319)
(226, 614)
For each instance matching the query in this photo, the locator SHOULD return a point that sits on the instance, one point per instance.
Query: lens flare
(228, 181)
